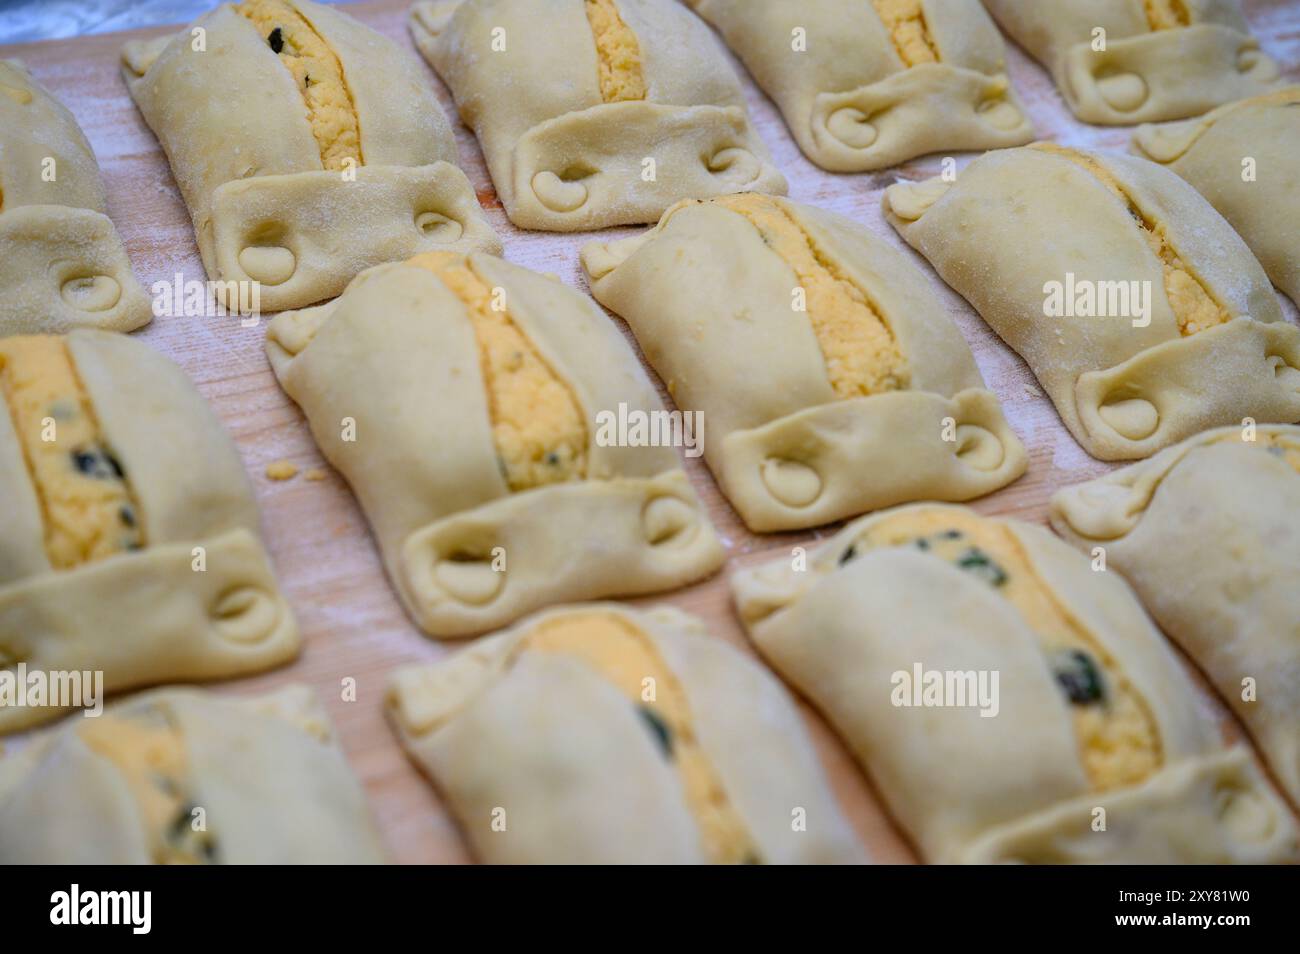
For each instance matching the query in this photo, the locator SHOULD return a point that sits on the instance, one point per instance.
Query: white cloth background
(25, 20)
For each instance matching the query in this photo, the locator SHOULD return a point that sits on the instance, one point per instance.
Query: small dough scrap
(595, 113)
(279, 470)
(868, 85)
(129, 537)
(998, 690)
(869, 396)
(294, 114)
(1161, 59)
(1147, 320)
(126, 786)
(480, 434)
(1208, 533)
(618, 736)
(62, 263)
(1242, 158)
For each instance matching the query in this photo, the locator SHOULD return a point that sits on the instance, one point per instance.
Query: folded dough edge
(836, 460)
(64, 268)
(150, 616)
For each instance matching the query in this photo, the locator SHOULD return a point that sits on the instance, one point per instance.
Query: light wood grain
(326, 559)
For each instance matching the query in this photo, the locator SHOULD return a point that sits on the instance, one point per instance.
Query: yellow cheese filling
(1118, 738)
(625, 656)
(1193, 305)
(85, 499)
(622, 74)
(149, 753)
(905, 21)
(319, 75)
(861, 354)
(537, 423)
(1166, 14)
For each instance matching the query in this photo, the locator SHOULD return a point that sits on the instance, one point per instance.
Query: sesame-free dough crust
(62, 264)
(545, 761)
(1208, 533)
(236, 131)
(851, 96)
(1154, 66)
(271, 780)
(563, 155)
(396, 354)
(1016, 220)
(1012, 787)
(711, 304)
(1261, 202)
(149, 615)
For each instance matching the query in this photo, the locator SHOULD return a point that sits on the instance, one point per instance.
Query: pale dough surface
(526, 77)
(266, 770)
(235, 128)
(1143, 74)
(62, 264)
(546, 743)
(849, 98)
(711, 304)
(396, 355)
(998, 236)
(1245, 159)
(145, 616)
(1208, 533)
(1011, 787)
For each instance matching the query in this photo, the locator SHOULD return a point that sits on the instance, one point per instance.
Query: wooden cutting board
(351, 622)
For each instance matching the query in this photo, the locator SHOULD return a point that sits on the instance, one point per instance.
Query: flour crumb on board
(315, 474)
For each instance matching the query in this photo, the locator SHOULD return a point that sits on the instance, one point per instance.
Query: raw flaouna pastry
(460, 396)
(598, 734)
(896, 628)
(1162, 59)
(866, 84)
(128, 536)
(307, 146)
(185, 777)
(1245, 159)
(1142, 313)
(594, 113)
(62, 264)
(1208, 533)
(830, 379)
